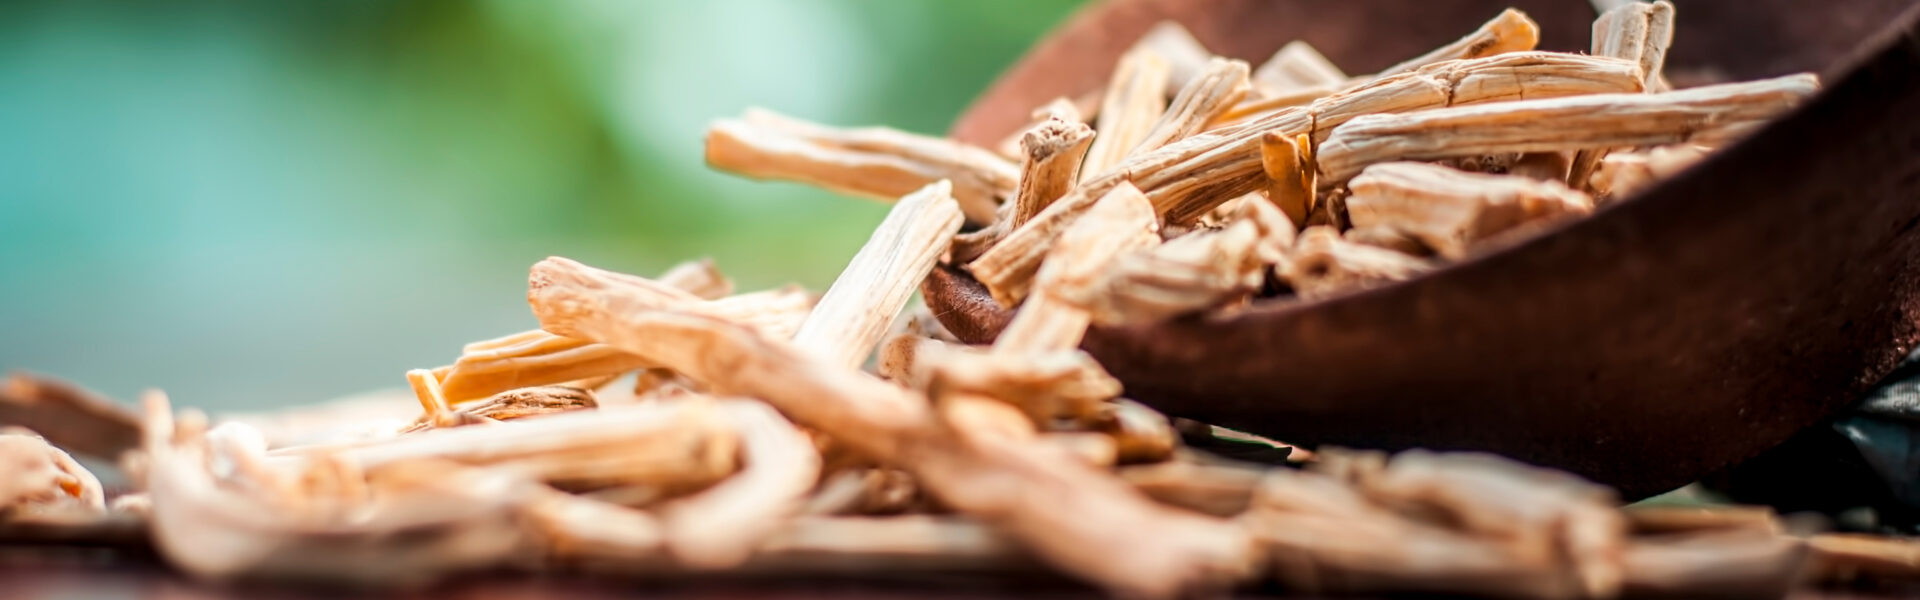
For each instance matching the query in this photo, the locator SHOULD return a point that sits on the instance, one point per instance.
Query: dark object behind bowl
(1667, 336)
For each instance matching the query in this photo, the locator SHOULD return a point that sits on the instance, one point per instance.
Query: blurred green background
(256, 204)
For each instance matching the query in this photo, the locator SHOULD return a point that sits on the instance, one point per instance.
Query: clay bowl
(1667, 336)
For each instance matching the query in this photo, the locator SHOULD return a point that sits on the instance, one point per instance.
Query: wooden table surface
(44, 573)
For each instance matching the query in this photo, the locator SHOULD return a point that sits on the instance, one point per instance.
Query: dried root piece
(1844, 558)
(1187, 274)
(1538, 512)
(537, 358)
(1296, 66)
(1222, 491)
(1096, 449)
(1056, 317)
(1640, 32)
(1141, 434)
(1728, 563)
(1659, 519)
(1055, 504)
(1510, 31)
(38, 479)
(855, 312)
(1388, 237)
(1622, 174)
(1287, 161)
(700, 278)
(1252, 108)
(1544, 166)
(1186, 58)
(683, 443)
(1203, 100)
(869, 491)
(720, 526)
(1706, 114)
(1637, 31)
(1450, 210)
(1062, 108)
(875, 162)
(1445, 523)
(1053, 151)
(1188, 178)
(1047, 386)
(1276, 229)
(428, 517)
(1133, 103)
(68, 415)
(1322, 264)
(512, 404)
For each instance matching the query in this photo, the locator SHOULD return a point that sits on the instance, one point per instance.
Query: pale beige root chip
(68, 416)
(1640, 32)
(515, 404)
(1056, 318)
(1052, 152)
(1047, 385)
(1537, 512)
(814, 546)
(854, 314)
(1322, 265)
(567, 529)
(1359, 549)
(1133, 102)
(1450, 210)
(1729, 563)
(700, 278)
(1656, 519)
(1257, 107)
(1096, 449)
(1704, 114)
(1218, 490)
(1055, 504)
(1142, 434)
(1208, 96)
(1622, 174)
(908, 358)
(1387, 237)
(1510, 31)
(1296, 66)
(429, 518)
(1288, 165)
(1544, 166)
(1439, 523)
(720, 526)
(37, 478)
(874, 162)
(538, 358)
(1187, 274)
(865, 491)
(1186, 57)
(1277, 230)
(1061, 108)
(685, 443)
(1844, 558)
(1188, 178)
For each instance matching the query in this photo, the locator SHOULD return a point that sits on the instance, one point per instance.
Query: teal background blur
(256, 204)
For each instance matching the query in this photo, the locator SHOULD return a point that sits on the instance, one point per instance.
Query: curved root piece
(428, 518)
(721, 526)
(38, 479)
